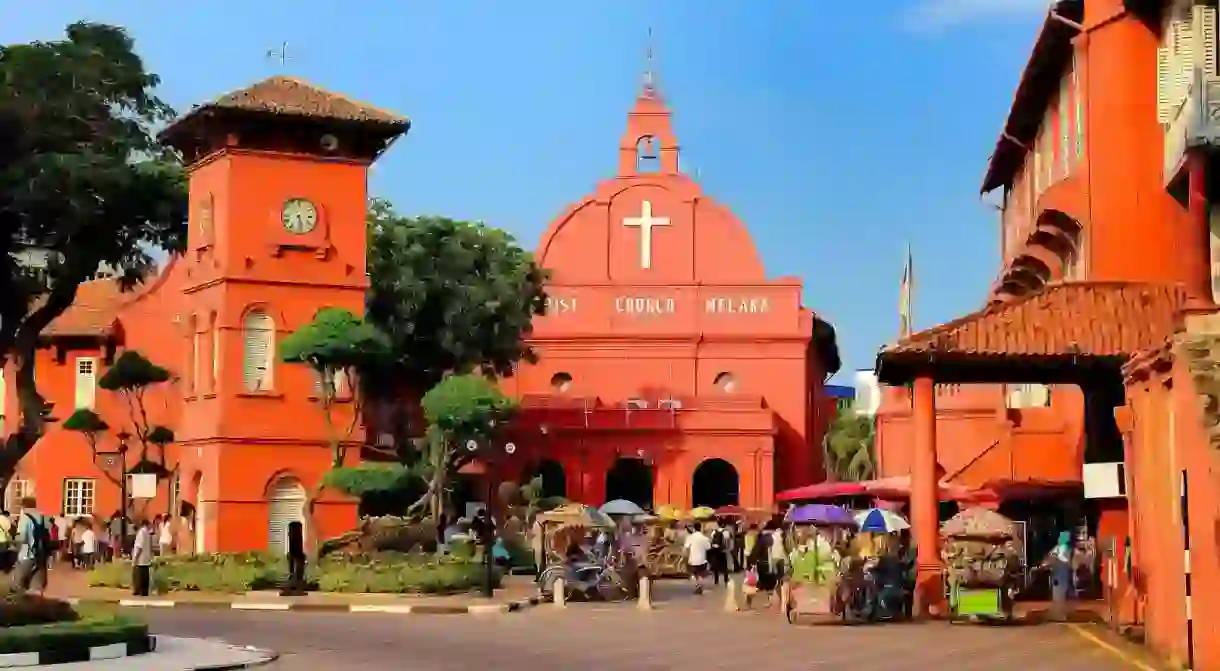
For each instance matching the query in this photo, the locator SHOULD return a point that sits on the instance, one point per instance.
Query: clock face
(299, 216)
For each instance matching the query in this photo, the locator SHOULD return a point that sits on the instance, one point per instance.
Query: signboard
(142, 485)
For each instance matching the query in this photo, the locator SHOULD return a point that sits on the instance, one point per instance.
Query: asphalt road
(619, 638)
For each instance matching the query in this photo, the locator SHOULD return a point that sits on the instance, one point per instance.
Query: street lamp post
(488, 531)
(119, 456)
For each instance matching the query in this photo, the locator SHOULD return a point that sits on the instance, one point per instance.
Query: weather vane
(280, 54)
(648, 75)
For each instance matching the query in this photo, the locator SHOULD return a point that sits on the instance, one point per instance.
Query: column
(1196, 247)
(925, 498)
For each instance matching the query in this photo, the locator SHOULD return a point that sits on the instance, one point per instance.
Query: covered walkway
(1078, 333)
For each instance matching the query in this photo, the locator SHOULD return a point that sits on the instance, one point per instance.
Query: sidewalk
(516, 593)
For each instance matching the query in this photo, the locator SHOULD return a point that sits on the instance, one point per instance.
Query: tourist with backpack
(34, 548)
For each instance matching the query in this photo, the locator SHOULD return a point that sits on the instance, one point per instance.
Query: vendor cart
(812, 584)
(983, 565)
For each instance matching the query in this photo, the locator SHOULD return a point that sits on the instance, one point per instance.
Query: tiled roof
(1093, 319)
(94, 312)
(293, 97)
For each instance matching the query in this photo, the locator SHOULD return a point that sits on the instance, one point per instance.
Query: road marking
(1111, 648)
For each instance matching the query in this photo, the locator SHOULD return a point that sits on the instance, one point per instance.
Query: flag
(905, 326)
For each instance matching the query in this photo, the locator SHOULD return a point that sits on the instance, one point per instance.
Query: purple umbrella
(820, 513)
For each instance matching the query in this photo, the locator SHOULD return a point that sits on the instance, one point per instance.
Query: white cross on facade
(645, 222)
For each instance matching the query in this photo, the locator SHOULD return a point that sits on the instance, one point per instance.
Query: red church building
(671, 370)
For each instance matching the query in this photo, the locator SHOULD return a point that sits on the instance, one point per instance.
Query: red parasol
(730, 511)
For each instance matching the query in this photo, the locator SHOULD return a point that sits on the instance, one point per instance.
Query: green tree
(459, 409)
(335, 346)
(453, 297)
(131, 378)
(83, 181)
(848, 447)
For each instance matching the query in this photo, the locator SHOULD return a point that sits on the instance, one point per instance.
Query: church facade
(671, 370)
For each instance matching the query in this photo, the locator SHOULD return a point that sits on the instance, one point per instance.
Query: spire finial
(649, 78)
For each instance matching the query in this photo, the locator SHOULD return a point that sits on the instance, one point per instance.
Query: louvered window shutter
(1184, 54)
(86, 382)
(257, 356)
(1205, 38)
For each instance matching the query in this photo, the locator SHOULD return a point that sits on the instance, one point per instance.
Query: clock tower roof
(287, 101)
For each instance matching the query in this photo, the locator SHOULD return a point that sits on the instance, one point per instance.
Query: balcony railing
(1195, 122)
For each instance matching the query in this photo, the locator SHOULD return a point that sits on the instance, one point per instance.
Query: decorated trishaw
(982, 557)
(812, 587)
(596, 573)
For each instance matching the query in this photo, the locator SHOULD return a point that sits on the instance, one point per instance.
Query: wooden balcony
(1195, 123)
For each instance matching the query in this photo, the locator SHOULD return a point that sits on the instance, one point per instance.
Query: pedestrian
(1059, 562)
(8, 549)
(88, 545)
(697, 546)
(165, 538)
(718, 557)
(141, 560)
(296, 560)
(35, 549)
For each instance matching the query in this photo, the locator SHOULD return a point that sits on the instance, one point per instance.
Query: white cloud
(938, 14)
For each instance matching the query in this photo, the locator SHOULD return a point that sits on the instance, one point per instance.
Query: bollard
(644, 601)
(559, 592)
(733, 597)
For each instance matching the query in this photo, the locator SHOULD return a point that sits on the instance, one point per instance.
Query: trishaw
(812, 586)
(983, 567)
(608, 577)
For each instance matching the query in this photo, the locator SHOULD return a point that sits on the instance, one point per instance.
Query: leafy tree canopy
(85, 420)
(335, 339)
(83, 181)
(131, 372)
(849, 446)
(466, 406)
(452, 296)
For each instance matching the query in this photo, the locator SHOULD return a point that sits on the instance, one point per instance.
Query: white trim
(1186, 562)
(238, 605)
(112, 651)
(1189, 613)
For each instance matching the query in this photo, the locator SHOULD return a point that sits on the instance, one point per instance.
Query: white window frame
(258, 332)
(80, 497)
(86, 382)
(18, 488)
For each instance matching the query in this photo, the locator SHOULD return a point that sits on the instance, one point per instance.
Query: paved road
(617, 638)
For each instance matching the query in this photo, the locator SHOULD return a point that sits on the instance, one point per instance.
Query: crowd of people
(33, 543)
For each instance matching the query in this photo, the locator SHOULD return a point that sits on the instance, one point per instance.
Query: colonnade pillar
(925, 498)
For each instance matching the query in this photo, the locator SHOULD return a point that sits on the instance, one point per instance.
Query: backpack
(40, 539)
(718, 540)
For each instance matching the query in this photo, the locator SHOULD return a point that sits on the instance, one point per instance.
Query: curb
(272, 606)
(67, 655)
(268, 657)
(1128, 657)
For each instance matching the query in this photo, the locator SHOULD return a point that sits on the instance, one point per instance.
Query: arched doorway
(715, 484)
(630, 479)
(554, 480)
(286, 505)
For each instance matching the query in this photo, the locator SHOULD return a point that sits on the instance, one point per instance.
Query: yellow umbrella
(670, 513)
(702, 513)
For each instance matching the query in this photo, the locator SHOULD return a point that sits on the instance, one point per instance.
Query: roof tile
(94, 312)
(1102, 319)
(294, 97)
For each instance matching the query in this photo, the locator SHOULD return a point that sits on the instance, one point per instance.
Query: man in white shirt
(697, 546)
(88, 546)
(141, 560)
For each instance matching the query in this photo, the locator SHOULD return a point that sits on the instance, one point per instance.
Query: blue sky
(838, 131)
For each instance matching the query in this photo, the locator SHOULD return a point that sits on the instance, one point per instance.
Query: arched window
(647, 155)
(561, 383)
(725, 382)
(258, 355)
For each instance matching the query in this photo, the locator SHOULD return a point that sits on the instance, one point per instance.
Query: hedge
(381, 572)
(92, 631)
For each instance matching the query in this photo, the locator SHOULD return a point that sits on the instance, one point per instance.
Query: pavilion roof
(1067, 321)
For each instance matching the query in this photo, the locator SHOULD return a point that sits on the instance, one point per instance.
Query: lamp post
(119, 457)
(488, 532)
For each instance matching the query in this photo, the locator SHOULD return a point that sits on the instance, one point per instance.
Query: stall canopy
(899, 487)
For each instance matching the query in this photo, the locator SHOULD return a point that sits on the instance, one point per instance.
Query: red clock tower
(278, 195)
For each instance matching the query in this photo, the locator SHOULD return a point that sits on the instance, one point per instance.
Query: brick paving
(682, 633)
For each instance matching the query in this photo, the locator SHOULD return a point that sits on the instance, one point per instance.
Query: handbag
(752, 577)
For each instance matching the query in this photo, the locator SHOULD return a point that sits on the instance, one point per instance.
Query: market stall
(812, 532)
